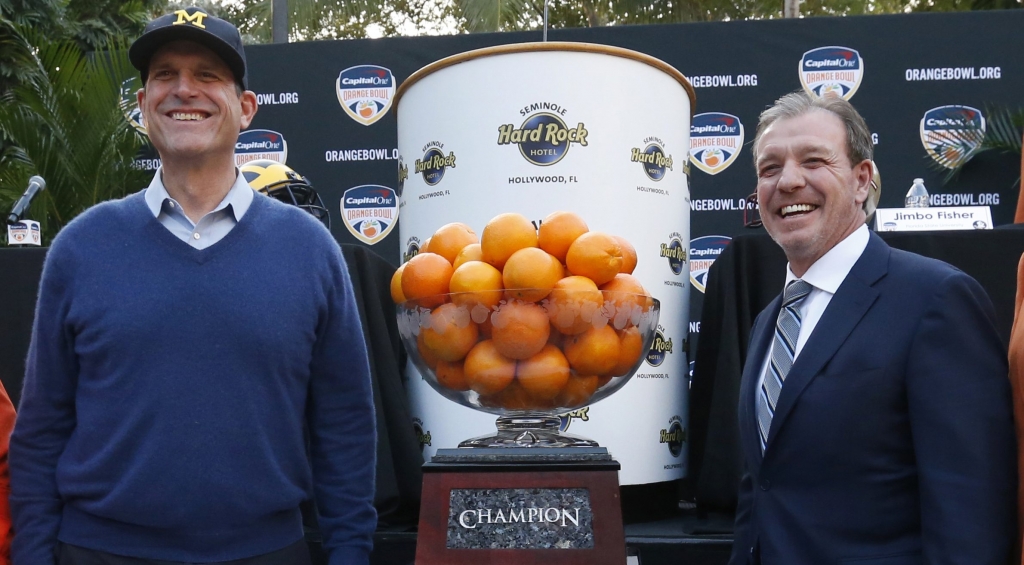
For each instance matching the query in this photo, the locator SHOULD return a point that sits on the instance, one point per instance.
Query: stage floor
(682, 539)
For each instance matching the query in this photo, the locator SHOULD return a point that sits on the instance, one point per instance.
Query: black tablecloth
(744, 279)
(747, 276)
(19, 285)
(399, 477)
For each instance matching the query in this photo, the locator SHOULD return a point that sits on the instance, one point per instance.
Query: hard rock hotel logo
(653, 158)
(660, 348)
(434, 163)
(543, 138)
(675, 252)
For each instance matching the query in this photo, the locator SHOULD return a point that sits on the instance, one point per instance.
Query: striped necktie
(787, 331)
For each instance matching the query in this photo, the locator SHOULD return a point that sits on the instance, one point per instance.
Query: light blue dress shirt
(212, 227)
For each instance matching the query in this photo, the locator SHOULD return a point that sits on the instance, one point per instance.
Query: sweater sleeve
(46, 416)
(342, 425)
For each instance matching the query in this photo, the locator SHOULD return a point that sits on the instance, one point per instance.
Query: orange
(630, 350)
(396, 285)
(530, 274)
(577, 391)
(488, 371)
(450, 239)
(515, 397)
(572, 304)
(478, 283)
(486, 328)
(628, 255)
(556, 338)
(625, 291)
(451, 333)
(593, 352)
(519, 329)
(558, 231)
(595, 255)
(470, 252)
(504, 235)
(451, 375)
(425, 279)
(544, 375)
(429, 358)
(425, 248)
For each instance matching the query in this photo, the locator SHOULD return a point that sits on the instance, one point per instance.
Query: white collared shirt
(825, 276)
(212, 227)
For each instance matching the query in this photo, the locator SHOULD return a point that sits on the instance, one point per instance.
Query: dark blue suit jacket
(892, 442)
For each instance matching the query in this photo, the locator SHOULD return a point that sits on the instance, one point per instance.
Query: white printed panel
(603, 136)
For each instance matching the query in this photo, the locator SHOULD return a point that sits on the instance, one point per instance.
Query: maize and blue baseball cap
(191, 24)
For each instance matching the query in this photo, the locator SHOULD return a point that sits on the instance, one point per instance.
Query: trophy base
(521, 506)
(528, 430)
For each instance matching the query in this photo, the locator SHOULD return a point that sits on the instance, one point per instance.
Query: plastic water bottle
(917, 196)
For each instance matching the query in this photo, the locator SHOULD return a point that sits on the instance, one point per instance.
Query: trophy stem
(528, 429)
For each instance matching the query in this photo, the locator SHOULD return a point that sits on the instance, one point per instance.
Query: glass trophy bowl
(528, 355)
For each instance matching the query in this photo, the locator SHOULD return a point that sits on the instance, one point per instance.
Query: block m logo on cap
(195, 19)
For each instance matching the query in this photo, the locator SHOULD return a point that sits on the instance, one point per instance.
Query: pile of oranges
(529, 318)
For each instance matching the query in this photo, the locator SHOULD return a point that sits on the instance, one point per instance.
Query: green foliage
(1004, 129)
(66, 123)
(313, 19)
(508, 15)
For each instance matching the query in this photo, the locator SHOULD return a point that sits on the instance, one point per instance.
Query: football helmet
(752, 216)
(279, 181)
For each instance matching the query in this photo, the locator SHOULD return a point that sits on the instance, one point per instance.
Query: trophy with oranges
(526, 323)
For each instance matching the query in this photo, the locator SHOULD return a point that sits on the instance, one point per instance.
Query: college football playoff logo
(951, 134)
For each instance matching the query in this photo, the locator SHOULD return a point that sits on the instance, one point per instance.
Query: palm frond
(67, 125)
(1004, 128)
(497, 15)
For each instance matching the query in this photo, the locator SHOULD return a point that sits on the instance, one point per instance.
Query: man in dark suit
(875, 415)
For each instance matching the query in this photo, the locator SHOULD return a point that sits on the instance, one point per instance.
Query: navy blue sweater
(166, 390)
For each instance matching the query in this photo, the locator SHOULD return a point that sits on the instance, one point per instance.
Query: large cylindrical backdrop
(571, 132)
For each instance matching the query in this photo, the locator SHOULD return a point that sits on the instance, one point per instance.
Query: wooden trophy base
(522, 506)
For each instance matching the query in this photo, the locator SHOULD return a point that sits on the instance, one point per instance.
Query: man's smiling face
(809, 194)
(191, 104)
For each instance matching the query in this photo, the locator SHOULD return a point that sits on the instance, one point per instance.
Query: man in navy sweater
(185, 339)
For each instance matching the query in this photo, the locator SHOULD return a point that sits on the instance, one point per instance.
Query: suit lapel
(760, 340)
(851, 302)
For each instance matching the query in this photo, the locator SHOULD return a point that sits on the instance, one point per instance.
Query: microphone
(36, 184)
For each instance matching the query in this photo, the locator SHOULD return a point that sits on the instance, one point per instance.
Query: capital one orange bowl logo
(831, 70)
(370, 212)
(365, 92)
(715, 141)
(130, 104)
(703, 252)
(256, 144)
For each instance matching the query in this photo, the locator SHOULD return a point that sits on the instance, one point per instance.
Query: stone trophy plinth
(521, 506)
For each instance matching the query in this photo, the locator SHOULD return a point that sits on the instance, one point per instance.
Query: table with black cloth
(745, 278)
(399, 458)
